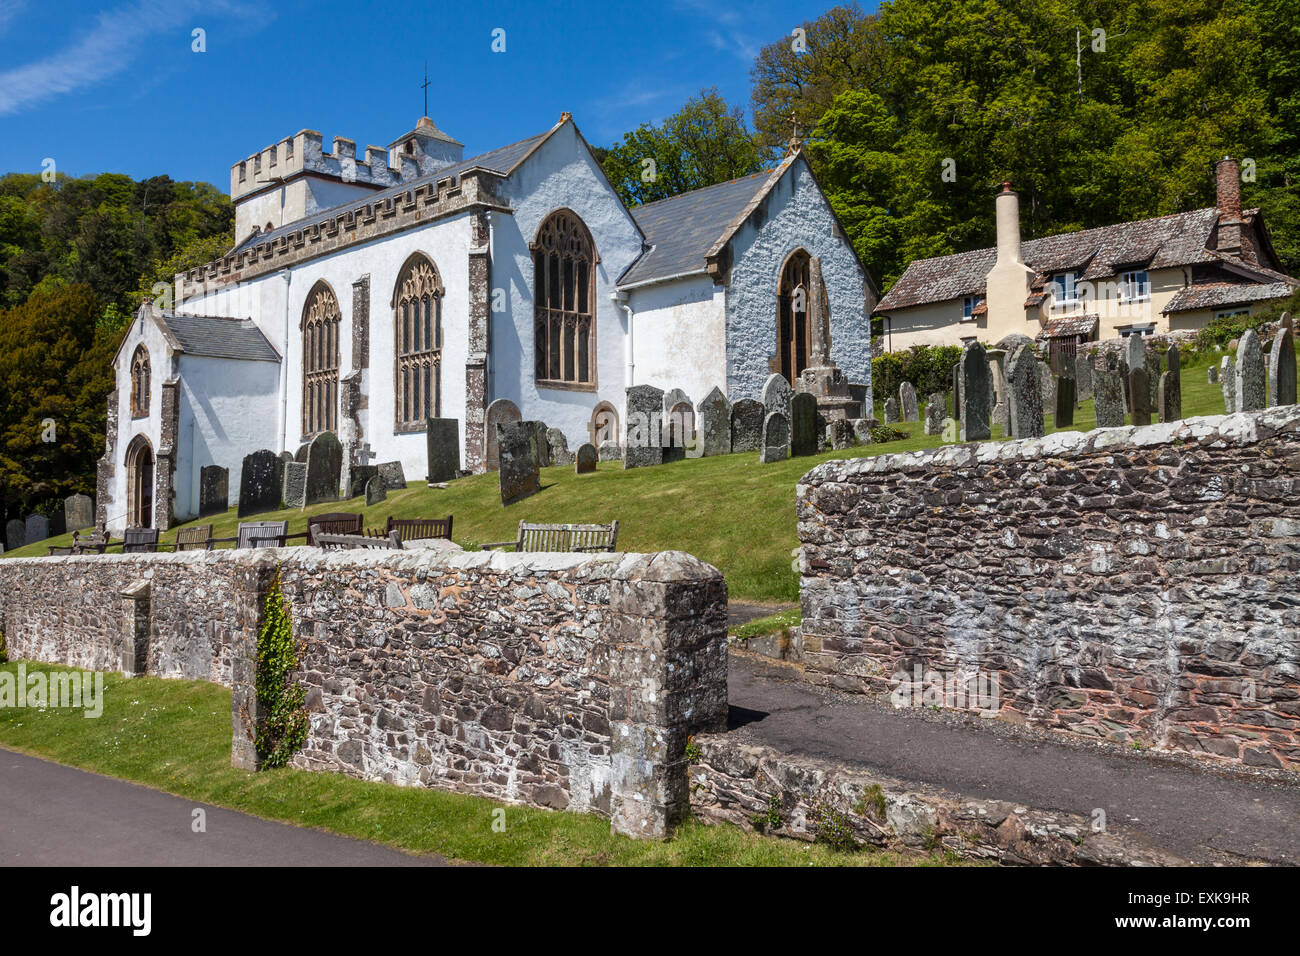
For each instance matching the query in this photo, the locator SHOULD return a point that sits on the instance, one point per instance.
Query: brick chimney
(1227, 191)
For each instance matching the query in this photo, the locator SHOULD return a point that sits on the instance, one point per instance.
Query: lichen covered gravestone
(294, 492)
(1153, 366)
(907, 407)
(1083, 369)
(1282, 365)
(1140, 396)
(393, 475)
(375, 491)
(747, 425)
(1212, 375)
(1063, 413)
(891, 411)
(78, 512)
(1047, 384)
(803, 425)
(442, 448)
(357, 478)
(1025, 394)
(1108, 394)
(500, 412)
(558, 448)
(518, 460)
(1250, 373)
(974, 394)
(214, 490)
(325, 468)
(1169, 393)
(776, 396)
(1228, 383)
(713, 422)
(935, 413)
(36, 528)
(643, 447)
(776, 438)
(261, 482)
(585, 461)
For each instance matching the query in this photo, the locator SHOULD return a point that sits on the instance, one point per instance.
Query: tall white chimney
(1008, 221)
(1007, 284)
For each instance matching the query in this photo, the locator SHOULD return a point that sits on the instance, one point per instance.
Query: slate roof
(1214, 295)
(1160, 243)
(500, 160)
(680, 230)
(1075, 325)
(221, 338)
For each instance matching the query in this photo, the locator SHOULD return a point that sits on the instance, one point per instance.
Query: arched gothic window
(792, 315)
(320, 361)
(564, 294)
(140, 383)
(418, 335)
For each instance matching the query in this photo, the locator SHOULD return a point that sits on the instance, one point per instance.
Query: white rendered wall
(794, 215)
(680, 337)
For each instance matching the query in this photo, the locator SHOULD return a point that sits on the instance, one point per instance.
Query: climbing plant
(4, 648)
(283, 729)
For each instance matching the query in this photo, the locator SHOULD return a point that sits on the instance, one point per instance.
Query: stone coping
(1242, 428)
(656, 566)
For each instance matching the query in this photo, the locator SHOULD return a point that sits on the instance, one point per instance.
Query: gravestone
(1083, 367)
(891, 411)
(261, 482)
(803, 425)
(974, 394)
(1153, 365)
(954, 386)
(15, 533)
(58, 525)
(1228, 384)
(610, 451)
(1047, 383)
(839, 433)
(678, 430)
(1135, 352)
(1169, 391)
(713, 423)
(1212, 375)
(357, 478)
(294, 491)
(1108, 396)
(1140, 396)
(585, 461)
(862, 429)
(500, 412)
(1282, 366)
(747, 425)
(518, 461)
(907, 408)
(674, 397)
(1065, 397)
(393, 475)
(214, 490)
(376, 491)
(1250, 373)
(935, 413)
(442, 449)
(776, 396)
(1024, 394)
(643, 447)
(858, 392)
(541, 445)
(324, 469)
(78, 512)
(776, 438)
(36, 528)
(558, 448)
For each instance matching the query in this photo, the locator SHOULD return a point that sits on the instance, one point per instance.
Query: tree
(704, 143)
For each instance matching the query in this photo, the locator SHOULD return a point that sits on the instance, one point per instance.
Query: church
(367, 294)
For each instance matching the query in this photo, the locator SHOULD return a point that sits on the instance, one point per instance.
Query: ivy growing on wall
(283, 729)
(4, 648)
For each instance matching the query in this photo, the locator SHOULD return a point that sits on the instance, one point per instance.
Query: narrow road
(1195, 813)
(57, 816)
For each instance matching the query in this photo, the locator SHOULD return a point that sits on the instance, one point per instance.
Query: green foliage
(832, 828)
(693, 753)
(4, 648)
(927, 367)
(283, 729)
(882, 434)
(704, 143)
(871, 803)
(770, 821)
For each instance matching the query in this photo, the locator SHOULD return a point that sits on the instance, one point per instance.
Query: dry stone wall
(1131, 584)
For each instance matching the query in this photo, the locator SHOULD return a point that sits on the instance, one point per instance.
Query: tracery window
(564, 292)
(418, 338)
(140, 375)
(320, 361)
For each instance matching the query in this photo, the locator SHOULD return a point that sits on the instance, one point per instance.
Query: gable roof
(220, 337)
(1164, 242)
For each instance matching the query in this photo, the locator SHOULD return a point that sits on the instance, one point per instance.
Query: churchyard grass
(729, 511)
(761, 627)
(174, 735)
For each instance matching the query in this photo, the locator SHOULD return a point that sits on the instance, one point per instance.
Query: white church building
(368, 294)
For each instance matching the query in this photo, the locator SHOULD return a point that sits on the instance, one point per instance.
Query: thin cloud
(9, 10)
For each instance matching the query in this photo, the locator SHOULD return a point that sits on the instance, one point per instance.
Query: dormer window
(1134, 286)
(1063, 289)
(968, 306)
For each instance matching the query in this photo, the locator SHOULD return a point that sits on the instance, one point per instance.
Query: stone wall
(558, 680)
(1131, 584)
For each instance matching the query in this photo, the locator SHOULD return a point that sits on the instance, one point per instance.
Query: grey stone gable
(221, 338)
(681, 230)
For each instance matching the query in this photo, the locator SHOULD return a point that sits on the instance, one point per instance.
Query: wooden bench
(334, 522)
(352, 542)
(94, 542)
(417, 529)
(139, 540)
(561, 537)
(193, 539)
(256, 534)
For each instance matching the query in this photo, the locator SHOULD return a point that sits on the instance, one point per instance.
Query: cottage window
(564, 296)
(320, 361)
(968, 306)
(140, 383)
(1063, 289)
(418, 338)
(1134, 286)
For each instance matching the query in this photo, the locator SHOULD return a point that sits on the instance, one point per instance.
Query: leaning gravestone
(776, 438)
(78, 512)
(645, 405)
(1169, 392)
(294, 492)
(1140, 396)
(36, 528)
(558, 448)
(935, 413)
(891, 411)
(15, 533)
(1228, 383)
(500, 412)
(1065, 397)
(585, 461)
(776, 396)
(393, 475)
(1083, 368)
(1250, 373)
(325, 468)
(1282, 366)
(975, 393)
(442, 448)
(1025, 394)
(803, 425)
(747, 425)
(713, 423)
(261, 482)
(214, 490)
(907, 407)
(519, 471)
(357, 478)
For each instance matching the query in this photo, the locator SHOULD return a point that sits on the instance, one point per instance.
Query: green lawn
(729, 511)
(174, 735)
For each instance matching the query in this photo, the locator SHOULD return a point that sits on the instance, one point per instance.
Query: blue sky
(115, 86)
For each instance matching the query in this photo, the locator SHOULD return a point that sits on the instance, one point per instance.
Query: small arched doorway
(792, 315)
(604, 425)
(139, 483)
